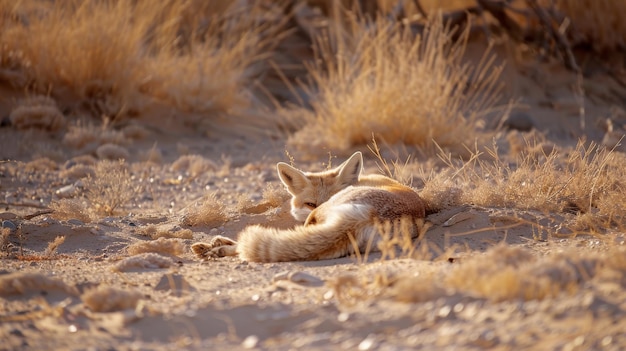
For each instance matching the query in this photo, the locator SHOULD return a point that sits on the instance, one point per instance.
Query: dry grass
(194, 165)
(5, 244)
(587, 181)
(173, 247)
(147, 260)
(53, 246)
(66, 209)
(39, 112)
(209, 212)
(111, 188)
(113, 56)
(383, 81)
(24, 283)
(503, 273)
(109, 299)
(156, 232)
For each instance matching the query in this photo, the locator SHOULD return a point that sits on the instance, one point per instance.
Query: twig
(559, 38)
(38, 213)
(17, 204)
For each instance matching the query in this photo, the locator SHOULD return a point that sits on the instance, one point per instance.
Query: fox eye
(310, 204)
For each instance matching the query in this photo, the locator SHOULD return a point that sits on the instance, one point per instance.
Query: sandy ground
(79, 298)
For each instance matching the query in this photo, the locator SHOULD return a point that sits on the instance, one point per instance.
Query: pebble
(519, 121)
(75, 222)
(9, 224)
(66, 191)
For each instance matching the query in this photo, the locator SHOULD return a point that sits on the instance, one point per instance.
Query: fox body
(342, 211)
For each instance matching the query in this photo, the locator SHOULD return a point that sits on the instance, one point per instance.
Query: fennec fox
(341, 210)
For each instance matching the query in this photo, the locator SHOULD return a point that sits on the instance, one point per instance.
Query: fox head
(311, 189)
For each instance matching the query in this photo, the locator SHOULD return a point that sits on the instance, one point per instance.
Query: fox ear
(350, 170)
(293, 178)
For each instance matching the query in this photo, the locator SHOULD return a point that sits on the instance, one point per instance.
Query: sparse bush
(172, 247)
(108, 299)
(23, 283)
(112, 152)
(37, 112)
(147, 260)
(210, 212)
(385, 82)
(111, 187)
(112, 56)
(65, 209)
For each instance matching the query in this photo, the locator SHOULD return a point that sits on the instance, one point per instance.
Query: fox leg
(219, 246)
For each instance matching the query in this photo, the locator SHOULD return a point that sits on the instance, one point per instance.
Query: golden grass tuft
(112, 152)
(82, 135)
(66, 209)
(53, 246)
(385, 82)
(24, 283)
(148, 260)
(77, 171)
(209, 212)
(173, 247)
(112, 57)
(587, 181)
(40, 112)
(155, 232)
(193, 164)
(111, 187)
(109, 299)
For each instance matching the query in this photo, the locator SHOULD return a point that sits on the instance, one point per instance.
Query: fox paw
(219, 246)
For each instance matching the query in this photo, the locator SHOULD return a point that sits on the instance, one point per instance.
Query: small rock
(250, 342)
(66, 191)
(519, 121)
(76, 222)
(9, 224)
(7, 215)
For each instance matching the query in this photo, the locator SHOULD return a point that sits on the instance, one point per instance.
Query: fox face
(311, 189)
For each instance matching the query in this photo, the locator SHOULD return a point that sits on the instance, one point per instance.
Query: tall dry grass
(115, 56)
(381, 80)
(586, 181)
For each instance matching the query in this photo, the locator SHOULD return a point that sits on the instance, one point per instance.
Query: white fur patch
(349, 210)
(300, 214)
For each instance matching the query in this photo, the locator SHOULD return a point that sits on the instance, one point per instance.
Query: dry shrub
(154, 155)
(209, 212)
(172, 247)
(275, 195)
(502, 273)
(77, 171)
(108, 299)
(66, 209)
(155, 232)
(40, 165)
(24, 283)
(111, 55)
(112, 152)
(5, 245)
(193, 164)
(82, 135)
(53, 246)
(135, 132)
(39, 112)
(587, 180)
(111, 187)
(385, 82)
(147, 260)
(598, 23)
